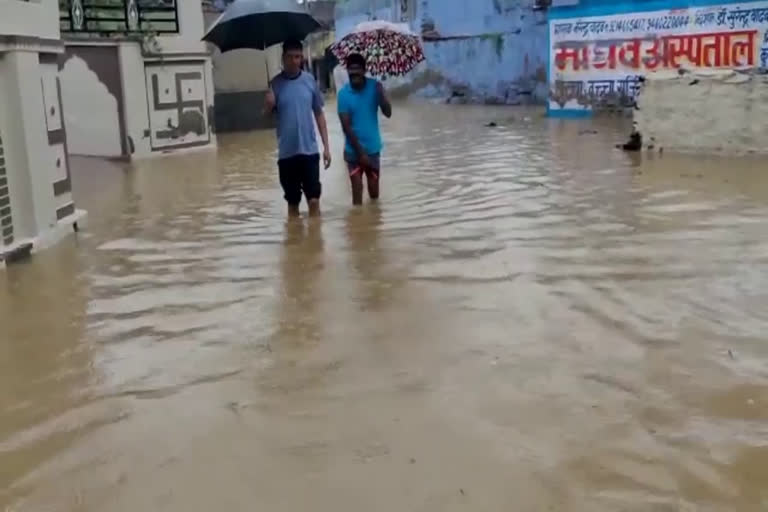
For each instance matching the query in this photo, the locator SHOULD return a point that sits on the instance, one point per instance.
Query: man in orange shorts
(359, 103)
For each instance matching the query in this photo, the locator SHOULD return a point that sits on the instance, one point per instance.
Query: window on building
(118, 16)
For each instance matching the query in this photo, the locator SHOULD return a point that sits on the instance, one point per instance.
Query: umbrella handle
(266, 65)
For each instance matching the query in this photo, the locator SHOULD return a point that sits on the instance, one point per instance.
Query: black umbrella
(259, 24)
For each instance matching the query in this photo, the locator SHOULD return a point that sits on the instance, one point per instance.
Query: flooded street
(529, 321)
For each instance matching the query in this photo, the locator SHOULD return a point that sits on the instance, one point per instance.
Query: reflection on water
(529, 320)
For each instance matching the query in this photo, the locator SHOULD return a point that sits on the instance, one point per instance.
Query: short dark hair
(293, 44)
(355, 59)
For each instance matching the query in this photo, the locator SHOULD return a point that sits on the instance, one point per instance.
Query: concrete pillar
(36, 208)
(26, 164)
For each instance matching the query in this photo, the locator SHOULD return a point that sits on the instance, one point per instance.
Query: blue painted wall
(454, 17)
(501, 68)
(491, 51)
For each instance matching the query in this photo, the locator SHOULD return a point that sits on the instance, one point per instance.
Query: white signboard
(599, 60)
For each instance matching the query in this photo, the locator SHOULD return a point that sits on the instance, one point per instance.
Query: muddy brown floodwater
(529, 321)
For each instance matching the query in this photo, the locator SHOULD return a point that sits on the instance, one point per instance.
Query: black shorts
(300, 174)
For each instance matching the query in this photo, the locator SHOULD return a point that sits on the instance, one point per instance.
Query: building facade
(136, 78)
(488, 51)
(240, 81)
(36, 205)
(320, 60)
(602, 52)
(241, 77)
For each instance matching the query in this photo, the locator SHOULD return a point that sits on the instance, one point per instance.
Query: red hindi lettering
(579, 56)
(722, 49)
(717, 50)
(744, 48)
(657, 55)
(601, 60)
(688, 46)
(629, 54)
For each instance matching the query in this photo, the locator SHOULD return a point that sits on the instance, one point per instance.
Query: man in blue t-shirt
(296, 99)
(359, 102)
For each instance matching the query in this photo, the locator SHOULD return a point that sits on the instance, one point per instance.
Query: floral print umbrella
(389, 49)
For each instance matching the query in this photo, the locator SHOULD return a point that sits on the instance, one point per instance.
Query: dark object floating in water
(492, 124)
(635, 142)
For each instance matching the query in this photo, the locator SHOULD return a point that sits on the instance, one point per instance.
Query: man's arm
(384, 103)
(270, 101)
(346, 125)
(322, 126)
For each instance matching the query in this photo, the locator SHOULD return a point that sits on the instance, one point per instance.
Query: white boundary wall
(716, 112)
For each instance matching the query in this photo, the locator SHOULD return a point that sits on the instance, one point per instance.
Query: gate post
(36, 208)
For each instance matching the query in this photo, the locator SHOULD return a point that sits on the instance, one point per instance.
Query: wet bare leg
(357, 189)
(293, 211)
(314, 207)
(373, 184)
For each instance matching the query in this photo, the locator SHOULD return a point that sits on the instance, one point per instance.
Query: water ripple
(525, 300)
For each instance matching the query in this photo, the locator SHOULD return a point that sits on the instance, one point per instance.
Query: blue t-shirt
(363, 109)
(297, 100)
